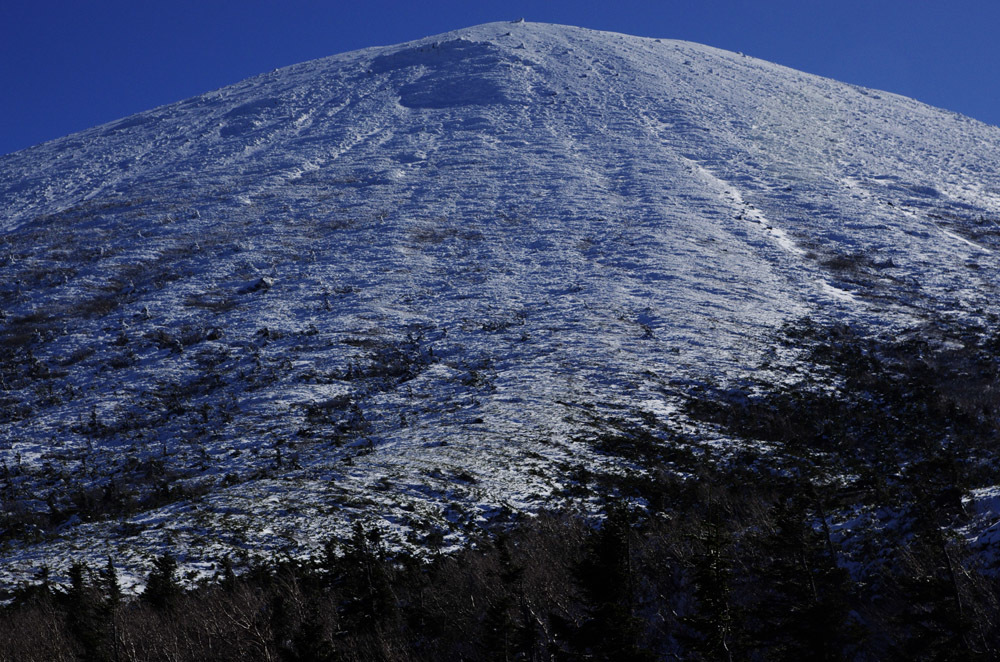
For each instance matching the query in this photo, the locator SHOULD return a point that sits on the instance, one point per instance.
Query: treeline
(737, 570)
(825, 530)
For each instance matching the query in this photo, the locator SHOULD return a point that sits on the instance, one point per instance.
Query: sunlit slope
(397, 281)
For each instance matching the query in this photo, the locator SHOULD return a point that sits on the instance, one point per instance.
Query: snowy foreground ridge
(393, 282)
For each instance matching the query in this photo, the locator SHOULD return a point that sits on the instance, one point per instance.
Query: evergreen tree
(713, 625)
(110, 586)
(227, 578)
(162, 588)
(932, 622)
(611, 629)
(111, 604)
(311, 643)
(508, 634)
(800, 597)
(365, 579)
(38, 592)
(85, 617)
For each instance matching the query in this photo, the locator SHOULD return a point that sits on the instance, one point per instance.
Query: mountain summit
(398, 282)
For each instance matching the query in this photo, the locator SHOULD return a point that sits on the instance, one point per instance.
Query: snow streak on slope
(394, 281)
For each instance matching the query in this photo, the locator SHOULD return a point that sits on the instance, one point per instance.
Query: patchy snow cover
(396, 281)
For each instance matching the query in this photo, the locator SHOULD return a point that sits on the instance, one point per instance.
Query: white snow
(405, 270)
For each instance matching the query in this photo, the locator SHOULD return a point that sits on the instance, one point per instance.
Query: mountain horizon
(399, 283)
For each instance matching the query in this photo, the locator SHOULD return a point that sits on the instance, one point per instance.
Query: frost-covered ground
(393, 282)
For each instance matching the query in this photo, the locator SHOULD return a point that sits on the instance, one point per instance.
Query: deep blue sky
(69, 65)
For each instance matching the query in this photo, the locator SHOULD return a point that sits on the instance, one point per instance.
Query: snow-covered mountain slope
(395, 281)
